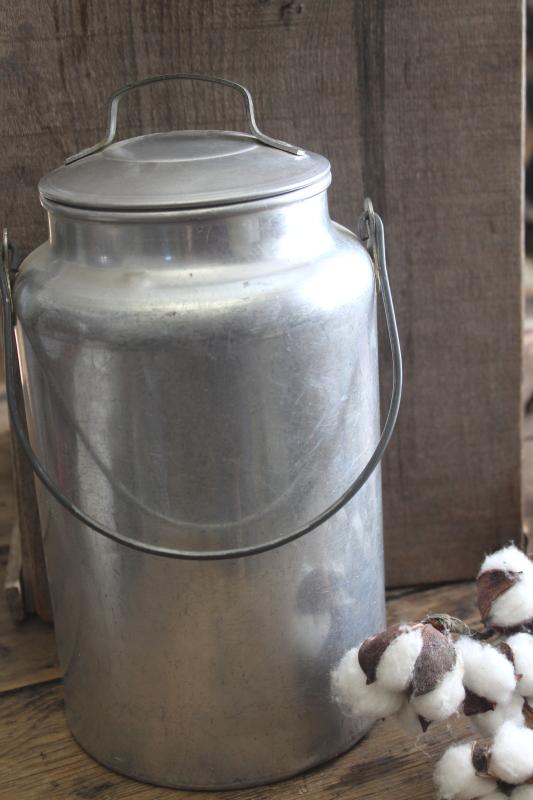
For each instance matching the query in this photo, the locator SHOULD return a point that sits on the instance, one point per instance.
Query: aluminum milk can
(198, 350)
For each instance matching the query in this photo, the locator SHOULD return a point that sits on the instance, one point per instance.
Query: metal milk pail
(198, 350)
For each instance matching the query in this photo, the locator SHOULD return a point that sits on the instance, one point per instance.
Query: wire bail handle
(366, 227)
(371, 228)
(115, 98)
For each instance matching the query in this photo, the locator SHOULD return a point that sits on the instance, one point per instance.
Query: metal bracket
(367, 234)
(8, 260)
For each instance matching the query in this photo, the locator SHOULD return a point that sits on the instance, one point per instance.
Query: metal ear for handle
(248, 104)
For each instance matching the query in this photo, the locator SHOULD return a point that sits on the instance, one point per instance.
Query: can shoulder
(151, 297)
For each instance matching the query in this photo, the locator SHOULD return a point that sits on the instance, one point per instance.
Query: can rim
(181, 169)
(129, 214)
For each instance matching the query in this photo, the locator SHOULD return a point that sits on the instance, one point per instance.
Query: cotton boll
(511, 754)
(508, 559)
(350, 688)
(437, 689)
(396, 665)
(488, 673)
(522, 646)
(488, 723)
(391, 655)
(515, 606)
(505, 589)
(445, 699)
(455, 776)
(348, 680)
(522, 793)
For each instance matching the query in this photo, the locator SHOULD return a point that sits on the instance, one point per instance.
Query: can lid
(181, 169)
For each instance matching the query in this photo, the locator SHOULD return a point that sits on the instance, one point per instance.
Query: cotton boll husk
(505, 589)
(514, 606)
(508, 559)
(522, 646)
(511, 754)
(522, 793)
(455, 776)
(396, 665)
(364, 700)
(528, 711)
(445, 699)
(488, 672)
(488, 723)
(437, 689)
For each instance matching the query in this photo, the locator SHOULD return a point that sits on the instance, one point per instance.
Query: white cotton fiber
(496, 796)
(511, 755)
(363, 700)
(515, 605)
(455, 776)
(489, 722)
(445, 699)
(396, 665)
(488, 673)
(522, 646)
(508, 559)
(408, 719)
(522, 793)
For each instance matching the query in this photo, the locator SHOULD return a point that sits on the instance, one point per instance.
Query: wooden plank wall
(447, 99)
(418, 104)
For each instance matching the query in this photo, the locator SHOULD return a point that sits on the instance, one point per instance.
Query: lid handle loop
(248, 104)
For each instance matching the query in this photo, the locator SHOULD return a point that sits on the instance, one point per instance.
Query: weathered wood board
(451, 190)
(27, 651)
(418, 105)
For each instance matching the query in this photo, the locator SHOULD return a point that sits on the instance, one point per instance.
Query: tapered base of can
(237, 784)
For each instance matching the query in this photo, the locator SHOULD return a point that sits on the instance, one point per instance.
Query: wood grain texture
(40, 760)
(7, 496)
(528, 476)
(13, 578)
(63, 60)
(417, 104)
(27, 650)
(449, 184)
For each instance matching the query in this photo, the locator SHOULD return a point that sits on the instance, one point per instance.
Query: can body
(206, 379)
